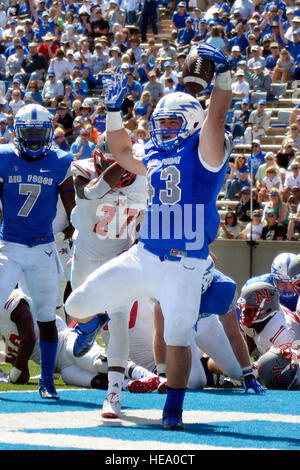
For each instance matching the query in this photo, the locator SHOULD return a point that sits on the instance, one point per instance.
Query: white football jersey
(277, 331)
(8, 329)
(110, 220)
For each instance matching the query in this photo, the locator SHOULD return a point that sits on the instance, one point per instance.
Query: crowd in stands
(58, 52)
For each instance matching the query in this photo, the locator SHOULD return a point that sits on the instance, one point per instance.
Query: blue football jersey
(181, 217)
(219, 296)
(288, 302)
(29, 195)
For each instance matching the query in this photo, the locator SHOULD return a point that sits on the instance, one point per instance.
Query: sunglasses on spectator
(270, 215)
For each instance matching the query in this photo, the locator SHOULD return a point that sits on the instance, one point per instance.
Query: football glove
(216, 55)
(249, 381)
(115, 91)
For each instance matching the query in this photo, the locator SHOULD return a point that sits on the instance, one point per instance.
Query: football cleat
(111, 408)
(162, 387)
(143, 385)
(172, 419)
(85, 341)
(47, 390)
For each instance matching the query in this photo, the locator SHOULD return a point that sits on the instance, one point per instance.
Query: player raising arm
(181, 220)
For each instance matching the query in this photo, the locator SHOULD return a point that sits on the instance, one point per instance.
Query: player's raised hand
(213, 53)
(115, 91)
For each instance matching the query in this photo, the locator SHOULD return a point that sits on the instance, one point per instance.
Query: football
(197, 72)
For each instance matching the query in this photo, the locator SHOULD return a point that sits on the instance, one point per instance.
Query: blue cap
(189, 20)
(211, 22)
(245, 100)
(168, 63)
(245, 188)
(262, 102)
(203, 20)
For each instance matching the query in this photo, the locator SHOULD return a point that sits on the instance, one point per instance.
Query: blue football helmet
(187, 115)
(279, 274)
(33, 128)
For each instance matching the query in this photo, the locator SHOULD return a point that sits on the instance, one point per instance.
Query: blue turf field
(215, 419)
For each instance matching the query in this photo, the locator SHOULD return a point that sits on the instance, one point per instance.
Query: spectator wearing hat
(99, 60)
(15, 85)
(86, 71)
(273, 230)
(235, 57)
(293, 136)
(84, 27)
(69, 36)
(256, 158)
(99, 26)
(179, 16)
(34, 65)
(64, 119)
(292, 180)
(253, 229)
(272, 59)
(245, 7)
(115, 60)
(48, 47)
(243, 208)
(42, 21)
(98, 118)
(14, 62)
(240, 39)
(142, 69)
(166, 51)
(226, 23)
(33, 94)
(203, 31)
(6, 136)
(260, 120)
(119, 41)
(12, 49)
(295, 26)
(29, 32)
(168, 72)
(82, 148)
(283, 68)
(77, 90)
(240, 119)
(256, 57)
(293, 45)
(155, 87)
(187, 34)
(10, 32)
(260, 79)
(114, 15)
(239, 87)
(180, 85)
(135, 51)
(53, 90)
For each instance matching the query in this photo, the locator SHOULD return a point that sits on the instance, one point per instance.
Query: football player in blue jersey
(185, 163)
(280, 279)
(32, 176)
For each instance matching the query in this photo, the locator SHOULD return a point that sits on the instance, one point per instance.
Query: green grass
(35, 370)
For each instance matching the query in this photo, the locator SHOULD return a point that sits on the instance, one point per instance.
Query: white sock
(140, 372)
(115, 381)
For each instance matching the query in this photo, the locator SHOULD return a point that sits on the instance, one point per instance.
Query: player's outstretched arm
(118, 139)
(212, 132)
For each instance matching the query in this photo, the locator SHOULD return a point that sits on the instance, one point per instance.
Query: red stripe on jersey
(10, 300)
(133, 314)
(82, 170)
(291, 314)
(282, 327)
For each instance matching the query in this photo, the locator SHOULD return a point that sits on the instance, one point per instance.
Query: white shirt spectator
(241, 87)
(246, 7)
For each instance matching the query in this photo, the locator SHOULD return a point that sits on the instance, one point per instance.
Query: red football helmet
(103, 159)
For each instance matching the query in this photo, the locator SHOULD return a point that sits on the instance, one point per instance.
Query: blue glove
(210, 52)
(115, 92)
(249, 381)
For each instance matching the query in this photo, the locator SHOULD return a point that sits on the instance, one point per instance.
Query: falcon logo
(48, 253)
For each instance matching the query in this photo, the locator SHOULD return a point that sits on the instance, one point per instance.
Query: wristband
(223, 80)
(14, 374)
(114, 121)
(98, 190)
(59, 237)
(247, 371)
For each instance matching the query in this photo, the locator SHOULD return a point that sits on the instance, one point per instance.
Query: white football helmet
(294, 274)
(180, 107)
(279, 274)
(33, 128)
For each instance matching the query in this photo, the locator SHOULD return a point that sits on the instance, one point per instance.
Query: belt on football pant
(173, 255)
